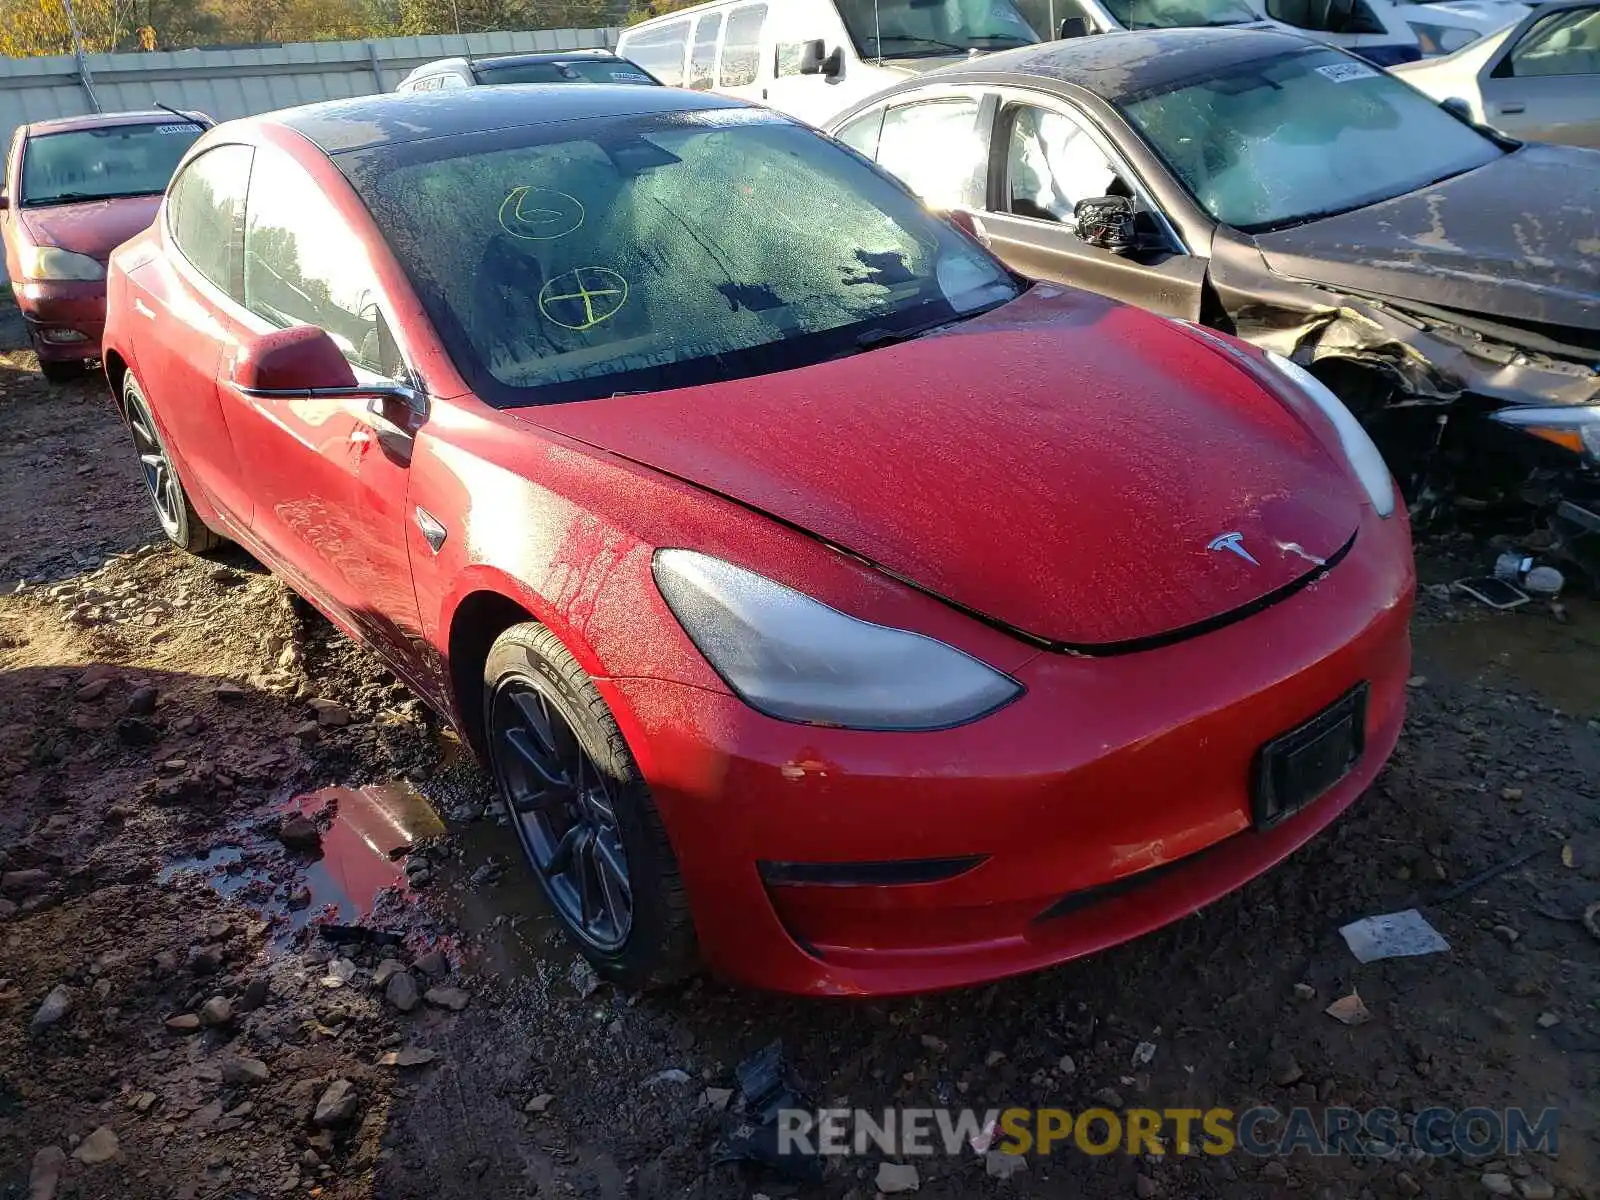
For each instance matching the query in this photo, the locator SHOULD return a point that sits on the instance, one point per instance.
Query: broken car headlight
(1576, 428)
(1362, 455)
(795, 658)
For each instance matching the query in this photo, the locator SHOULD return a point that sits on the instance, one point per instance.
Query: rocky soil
(262, 932)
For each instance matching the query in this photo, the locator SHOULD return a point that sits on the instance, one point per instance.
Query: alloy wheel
(564, 814)
(159, 477)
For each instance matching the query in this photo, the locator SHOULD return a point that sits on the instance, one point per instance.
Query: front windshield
(103, 163)
(929, 28)
(1284, 140)
(582, 70)
(1179, 14)
(661, 251)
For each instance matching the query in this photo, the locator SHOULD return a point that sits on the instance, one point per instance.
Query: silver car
(1538, 80)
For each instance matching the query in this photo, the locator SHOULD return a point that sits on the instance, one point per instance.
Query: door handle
(143, 309)
(1512, 109)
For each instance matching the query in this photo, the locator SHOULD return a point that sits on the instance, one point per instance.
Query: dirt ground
(209, 962)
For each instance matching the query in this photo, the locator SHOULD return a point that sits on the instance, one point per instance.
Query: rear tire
(179, 521)
(568, 779)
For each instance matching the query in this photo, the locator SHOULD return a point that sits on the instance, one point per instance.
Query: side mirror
(298, 361)
(813, 56)
(1073, 27)
(1459, 109)
(1107, 222)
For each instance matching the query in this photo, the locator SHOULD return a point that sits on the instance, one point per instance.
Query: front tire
(583, 813)
(179, 521)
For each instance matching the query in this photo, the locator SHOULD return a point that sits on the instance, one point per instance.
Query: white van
(814, 58)
(1377, 30)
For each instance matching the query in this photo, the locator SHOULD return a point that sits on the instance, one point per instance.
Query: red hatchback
(75, 189)
(830, 605)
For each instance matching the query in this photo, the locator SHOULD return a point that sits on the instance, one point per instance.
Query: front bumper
(1107, 770)
(66, 318)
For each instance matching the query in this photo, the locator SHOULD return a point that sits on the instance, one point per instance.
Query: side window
(303, 266)
(934, 148)
(1051, 164)
(703, 58)
(741, 48)
(1564, 43)
(203, 208)
(660, 51)
(862, 133)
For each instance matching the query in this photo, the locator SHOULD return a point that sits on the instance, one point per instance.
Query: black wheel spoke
(563, 813)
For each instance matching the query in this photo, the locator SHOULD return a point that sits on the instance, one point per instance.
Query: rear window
(100, 164)
(583, 70)
(661, 51)
(568, 262)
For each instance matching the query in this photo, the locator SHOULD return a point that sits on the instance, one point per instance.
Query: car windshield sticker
(628, 77)
(175, 128)
(1345, 72)
(540, 214)
(583, 298)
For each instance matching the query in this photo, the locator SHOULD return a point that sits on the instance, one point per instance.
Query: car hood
(1518, 238)
(93, 227)
(1060, 465)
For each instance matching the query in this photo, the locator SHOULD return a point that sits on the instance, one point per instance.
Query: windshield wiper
(79, 197)
(905, 37)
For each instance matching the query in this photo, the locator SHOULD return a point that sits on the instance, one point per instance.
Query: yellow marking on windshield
(540, 214)
(583, 298)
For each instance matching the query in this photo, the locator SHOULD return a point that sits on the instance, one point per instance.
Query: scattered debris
(1496, 593)
(767, 1087)
(670, 1075)
(1394, 935)
(897, 1177)
(450, 998)
(411, 1056)
(100, 1146)
(583, 978)
(245, 1072)
(1349, 1010)
(1144, 1053)
(337, 1105)
(216, 1012)
(56, 1005)
(45, 1175)
(997, 1164)
(540, 1103)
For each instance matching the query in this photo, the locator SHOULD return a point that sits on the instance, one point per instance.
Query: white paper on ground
(1393, 935)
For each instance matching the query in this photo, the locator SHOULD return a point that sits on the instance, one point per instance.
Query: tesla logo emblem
(1233, 543)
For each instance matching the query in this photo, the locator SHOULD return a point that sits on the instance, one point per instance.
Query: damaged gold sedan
(1444, 279)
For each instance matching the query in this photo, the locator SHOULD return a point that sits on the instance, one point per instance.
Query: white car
(812, 59)
(1451, 25)
(1538, 81)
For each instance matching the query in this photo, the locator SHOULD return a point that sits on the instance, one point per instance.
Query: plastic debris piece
(1496, 593)
(1393, 935)
(1349, 1010)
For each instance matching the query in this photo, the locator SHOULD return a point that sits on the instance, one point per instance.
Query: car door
(1544, 83)
(330, 476)
(180, 299)
(1046, 156)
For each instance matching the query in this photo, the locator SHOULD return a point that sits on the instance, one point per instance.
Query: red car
(75, 189)
(832, 606)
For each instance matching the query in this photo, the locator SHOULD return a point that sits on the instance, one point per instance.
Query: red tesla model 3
(831, 606)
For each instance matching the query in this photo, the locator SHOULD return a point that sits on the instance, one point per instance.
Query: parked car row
(799, 527)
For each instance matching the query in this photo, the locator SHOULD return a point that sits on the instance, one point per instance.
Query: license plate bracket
(1296, 768)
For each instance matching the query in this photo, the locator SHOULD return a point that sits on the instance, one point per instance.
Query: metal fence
(245, 81)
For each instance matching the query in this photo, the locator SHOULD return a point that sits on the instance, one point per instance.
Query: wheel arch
(476, 622)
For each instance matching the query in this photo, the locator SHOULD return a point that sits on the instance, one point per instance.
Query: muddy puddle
(1526, 648)
(472, 883)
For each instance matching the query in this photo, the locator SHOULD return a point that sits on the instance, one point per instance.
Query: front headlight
(1362, 455)
(1576, 428)
(52, 262)
(795, 658)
